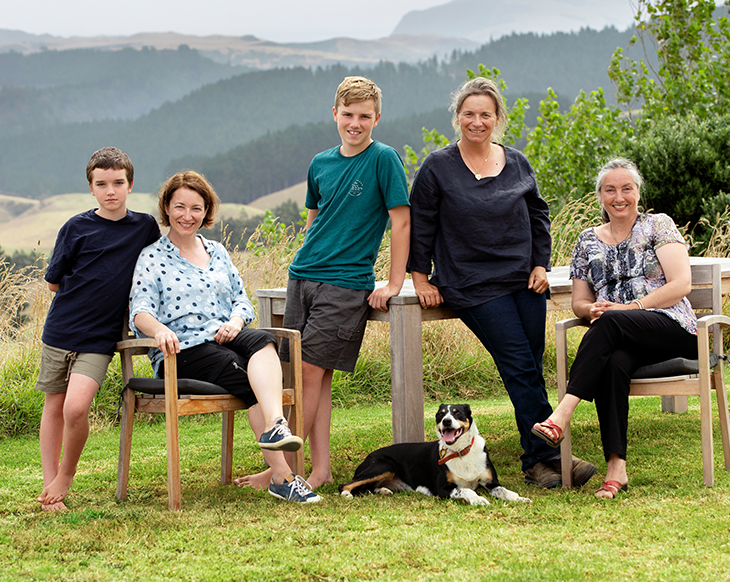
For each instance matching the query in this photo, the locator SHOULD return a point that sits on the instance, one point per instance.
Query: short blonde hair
(479, 86)
(192, 181)
(356, 89)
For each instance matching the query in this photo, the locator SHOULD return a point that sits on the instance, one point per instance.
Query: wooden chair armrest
(565, 324)
(129, 344)
(282, 332)
(149, 342)
(708, 320)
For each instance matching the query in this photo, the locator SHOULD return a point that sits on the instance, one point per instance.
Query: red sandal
(613, 487)
(538, 430)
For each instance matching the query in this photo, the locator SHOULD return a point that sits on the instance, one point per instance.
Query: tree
(19, 260)
(693, 52)
(678, 137)
(566, 149)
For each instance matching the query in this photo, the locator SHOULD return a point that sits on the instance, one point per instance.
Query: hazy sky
(277, 20)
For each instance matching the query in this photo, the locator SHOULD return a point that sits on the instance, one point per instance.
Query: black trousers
(613, 348)
(225, 364)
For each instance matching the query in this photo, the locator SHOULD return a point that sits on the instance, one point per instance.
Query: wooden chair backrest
(706, 294)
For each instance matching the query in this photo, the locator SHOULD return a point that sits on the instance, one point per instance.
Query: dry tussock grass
(719, 243)
(573, 218)
(265, 260)
(24, 302)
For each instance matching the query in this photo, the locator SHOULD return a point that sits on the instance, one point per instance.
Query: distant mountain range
(485, 20)
(461, 25)
(250, 52)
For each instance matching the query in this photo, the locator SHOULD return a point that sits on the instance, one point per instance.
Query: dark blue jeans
(512, 328)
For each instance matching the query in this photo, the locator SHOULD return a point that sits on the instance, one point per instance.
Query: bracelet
(639, 303)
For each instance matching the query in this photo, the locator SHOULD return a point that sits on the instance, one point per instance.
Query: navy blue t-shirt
(93, 262)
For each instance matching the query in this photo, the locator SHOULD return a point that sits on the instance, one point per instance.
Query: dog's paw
(502, 493)
(382, 491)
(346, 494)
(470, 496)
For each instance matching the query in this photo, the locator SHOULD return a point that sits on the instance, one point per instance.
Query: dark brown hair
(110, 158)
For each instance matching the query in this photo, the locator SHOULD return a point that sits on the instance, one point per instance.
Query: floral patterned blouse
(630, 270)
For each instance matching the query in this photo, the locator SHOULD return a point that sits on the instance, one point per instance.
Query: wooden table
(406, 318)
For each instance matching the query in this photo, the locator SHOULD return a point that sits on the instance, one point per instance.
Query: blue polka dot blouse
(191, 301)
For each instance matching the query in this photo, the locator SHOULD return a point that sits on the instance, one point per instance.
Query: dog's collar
(456, 454)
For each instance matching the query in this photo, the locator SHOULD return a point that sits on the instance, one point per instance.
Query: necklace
(613, 236)
(477, 174)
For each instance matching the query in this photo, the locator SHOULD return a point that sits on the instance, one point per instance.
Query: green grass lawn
(668, 526)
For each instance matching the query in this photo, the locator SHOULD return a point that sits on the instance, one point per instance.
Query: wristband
(639, 303)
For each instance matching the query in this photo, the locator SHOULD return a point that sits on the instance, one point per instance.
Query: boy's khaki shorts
(57, 365)
(332, 322)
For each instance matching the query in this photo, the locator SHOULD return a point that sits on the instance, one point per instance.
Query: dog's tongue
(448, 435)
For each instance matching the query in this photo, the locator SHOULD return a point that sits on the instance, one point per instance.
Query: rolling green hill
(35, 228)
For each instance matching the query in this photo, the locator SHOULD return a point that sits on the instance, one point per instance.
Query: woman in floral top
(630, 278)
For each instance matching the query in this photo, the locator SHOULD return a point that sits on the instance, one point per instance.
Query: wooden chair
(676, 379)
(175, 397)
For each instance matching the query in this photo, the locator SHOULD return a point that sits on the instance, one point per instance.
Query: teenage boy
(90, 273)
(352, 190)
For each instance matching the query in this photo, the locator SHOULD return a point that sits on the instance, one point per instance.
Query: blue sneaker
(293, 489)
(280, 438)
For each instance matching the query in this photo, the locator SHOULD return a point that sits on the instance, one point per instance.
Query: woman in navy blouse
(188, 295)
(477, 216)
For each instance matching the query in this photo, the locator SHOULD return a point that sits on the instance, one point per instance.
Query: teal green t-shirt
(352, 196)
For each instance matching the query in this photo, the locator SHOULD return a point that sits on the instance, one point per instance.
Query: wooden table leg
(265, 312)
(677, 404)
(406, 372)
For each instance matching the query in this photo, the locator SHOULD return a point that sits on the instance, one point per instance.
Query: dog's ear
(467, 408)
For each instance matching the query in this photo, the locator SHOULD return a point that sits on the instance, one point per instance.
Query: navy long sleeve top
(483, 237)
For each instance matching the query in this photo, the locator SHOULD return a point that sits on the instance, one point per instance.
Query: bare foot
(56, 491)
(316, 481)
(257, 481)
(59, 506)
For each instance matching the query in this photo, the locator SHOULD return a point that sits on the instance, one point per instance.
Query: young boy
(352, 190)
(90, 273)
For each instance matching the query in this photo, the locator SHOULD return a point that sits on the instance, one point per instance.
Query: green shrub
(685, 162)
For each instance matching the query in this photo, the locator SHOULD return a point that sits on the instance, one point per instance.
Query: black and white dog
(452, 467)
